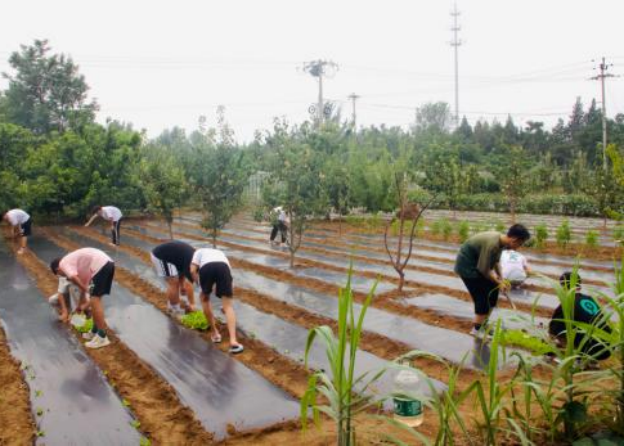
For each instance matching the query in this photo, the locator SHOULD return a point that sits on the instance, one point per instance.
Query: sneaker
(236, 349)
(483, 334)
(98, 342)
(88, 335)
(216, 338)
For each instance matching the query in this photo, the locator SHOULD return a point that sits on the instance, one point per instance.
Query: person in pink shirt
(92, 271)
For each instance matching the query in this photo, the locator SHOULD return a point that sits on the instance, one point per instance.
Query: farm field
(163, 383)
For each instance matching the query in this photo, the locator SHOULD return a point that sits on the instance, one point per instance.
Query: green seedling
(40, 433)
(38, 393)
(87, 327)
(591, 238)
(135, 424)
(39, 411)
(145, 442)
(125, 403)
(195, 320)
(518, 338)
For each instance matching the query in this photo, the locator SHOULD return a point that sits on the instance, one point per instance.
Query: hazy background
(163, 64)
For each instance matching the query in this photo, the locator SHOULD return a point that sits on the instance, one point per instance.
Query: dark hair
(96, 209)
(54, 265)
(566, 279)
(519, 232)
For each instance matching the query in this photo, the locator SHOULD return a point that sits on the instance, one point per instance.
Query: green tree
(46, 92)
(512, 176)
(164, 183)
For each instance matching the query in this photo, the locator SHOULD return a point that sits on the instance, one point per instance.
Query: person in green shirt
(477, 265)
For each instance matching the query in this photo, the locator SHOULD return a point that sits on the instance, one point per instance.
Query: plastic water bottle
(408, 411)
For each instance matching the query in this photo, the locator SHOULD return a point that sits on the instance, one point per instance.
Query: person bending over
(172, 261)
(478, 266)
(92, 271)
(211, 269)
(112, 215)
(22, 226)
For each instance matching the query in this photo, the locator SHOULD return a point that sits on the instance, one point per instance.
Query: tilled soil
(17, 425)
(163, 418)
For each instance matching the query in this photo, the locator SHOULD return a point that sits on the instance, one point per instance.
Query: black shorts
(216, 273)
(102, 282)
(26, 228)
(484, 294)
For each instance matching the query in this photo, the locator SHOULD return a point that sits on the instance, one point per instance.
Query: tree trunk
(292, 258)
(401, 281)
(214, 238)
(170, 230)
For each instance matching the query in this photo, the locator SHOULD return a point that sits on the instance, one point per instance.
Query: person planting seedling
(478, 265)
(211, 269)
(22, 226)
(279, 221)
(586, 311)
(68, 299)
(111, 214)
(92, 271)
(172, 262)
(514, 267)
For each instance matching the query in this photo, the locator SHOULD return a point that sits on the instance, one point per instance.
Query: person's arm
(194, 272)
(84, 288)
(93, 217)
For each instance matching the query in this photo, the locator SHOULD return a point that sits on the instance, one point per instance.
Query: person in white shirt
(280, 224)
(514, 267)
(211, 269)
(22, 226)
(68, 299)
(111, 214)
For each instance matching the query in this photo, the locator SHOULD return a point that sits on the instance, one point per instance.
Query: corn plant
(564, 234)
(345, 393)
(541, 235)
(436, 227)
(463, 230)
(447, 229)
(591, 238)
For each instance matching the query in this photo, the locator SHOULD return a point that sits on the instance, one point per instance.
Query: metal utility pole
(354, 97)
(603, 67)
(318, 69)
(456, 43)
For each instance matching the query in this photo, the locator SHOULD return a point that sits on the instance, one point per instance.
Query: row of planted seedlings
(542, 402)
(270, 327)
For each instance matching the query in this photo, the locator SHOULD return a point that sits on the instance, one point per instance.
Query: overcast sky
(160, 64)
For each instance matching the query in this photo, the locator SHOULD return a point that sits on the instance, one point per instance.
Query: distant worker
(478, 266)
(110, 214)
(92, 271)
(172, 261)
(586, 310)
(279, 220)
(514, 267)
(22, 226)
(211, 269)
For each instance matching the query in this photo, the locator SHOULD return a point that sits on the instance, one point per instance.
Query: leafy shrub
(447, 229)
(618, 235)
(564, 234)
(541, 235)
(499, 226)
(436, 227)
(195, 320)
(463, 230)
(591, 238)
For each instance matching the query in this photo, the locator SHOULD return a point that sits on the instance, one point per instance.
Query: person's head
(517, 235)
(566, 280)
(96, 209)
(54, 266)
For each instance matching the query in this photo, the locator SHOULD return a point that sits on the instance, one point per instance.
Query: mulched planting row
(67, 391)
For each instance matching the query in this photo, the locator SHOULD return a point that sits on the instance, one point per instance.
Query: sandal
(235, 349)
(216, 338)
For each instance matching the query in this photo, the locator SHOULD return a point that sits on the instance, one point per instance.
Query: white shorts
(163, 269)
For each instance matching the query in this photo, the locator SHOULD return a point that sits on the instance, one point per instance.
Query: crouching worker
(22, 226)
(211, 268)
(68, 299)
(172, 261)
(514, 267)
(92, 271)
(587, 311)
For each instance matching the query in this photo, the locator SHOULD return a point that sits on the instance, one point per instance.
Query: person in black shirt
(586, 310)
(172, 261)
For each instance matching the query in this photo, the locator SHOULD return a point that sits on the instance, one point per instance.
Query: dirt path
(163, 418)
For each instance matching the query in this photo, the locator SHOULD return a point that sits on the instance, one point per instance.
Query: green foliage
(618, 234)
(195, 320)
(145, 442)
(135, 424)
(591, 238)
(564, 234)
(346, 395)
(499, 226)
(521, 339)
(164, 182)
(463, 231)
(447, 229)
(86, 328)
(541, 235)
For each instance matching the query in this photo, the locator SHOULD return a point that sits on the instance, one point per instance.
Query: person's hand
(504, 286)
(64, 317)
